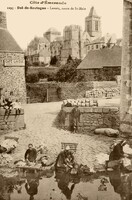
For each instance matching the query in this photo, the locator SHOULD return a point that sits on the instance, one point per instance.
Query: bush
(68, 72)
(42, 75)
(32, 78)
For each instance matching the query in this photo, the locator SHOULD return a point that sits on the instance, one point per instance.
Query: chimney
(3, 23)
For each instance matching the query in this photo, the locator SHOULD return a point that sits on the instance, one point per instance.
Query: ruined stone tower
(12, 64)
(93, 24)
(126, 71)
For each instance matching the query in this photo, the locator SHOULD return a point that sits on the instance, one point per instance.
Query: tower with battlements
(71, 42)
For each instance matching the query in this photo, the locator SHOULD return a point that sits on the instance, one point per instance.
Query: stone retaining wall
(37, 91)
(14, 122)
(94, 117)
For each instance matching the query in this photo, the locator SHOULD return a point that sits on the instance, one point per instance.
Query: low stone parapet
(13, 122)
(94, 117)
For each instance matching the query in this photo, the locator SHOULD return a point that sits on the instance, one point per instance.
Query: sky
(25, 24)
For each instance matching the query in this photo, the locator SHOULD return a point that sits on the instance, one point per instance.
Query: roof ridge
(7, 42)
(103, 57)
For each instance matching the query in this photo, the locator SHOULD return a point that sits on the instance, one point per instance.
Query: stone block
(13, 112)
(87, 124)
(2, 112)
(11, 118)
(105, 110)
(19, 123)
(114, 109)
(88, 109)
(81, 118)
(87, 116)
(100, 121)
(97, 110)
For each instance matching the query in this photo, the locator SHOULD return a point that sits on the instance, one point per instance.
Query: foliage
(42, 75)
(68, 72)
(53, 60)
(32, 78)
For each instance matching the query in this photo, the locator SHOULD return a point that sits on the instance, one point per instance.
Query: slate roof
(43, 40)
(98, 40)
(36, 41)
(7, 42)
(92, 13)
(111, 39)
(107, 57)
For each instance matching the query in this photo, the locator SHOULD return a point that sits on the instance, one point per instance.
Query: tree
(69, 59)
(68, 72)
(53, 60)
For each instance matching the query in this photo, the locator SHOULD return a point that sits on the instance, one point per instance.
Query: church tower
(93, 24)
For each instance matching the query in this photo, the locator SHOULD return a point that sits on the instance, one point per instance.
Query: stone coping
(13, 112)
(93, 109)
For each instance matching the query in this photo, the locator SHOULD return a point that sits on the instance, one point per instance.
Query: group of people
(8, 102)
(64, 160)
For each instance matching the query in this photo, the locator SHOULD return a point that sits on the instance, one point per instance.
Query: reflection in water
(8, 186)
(112, 185)
(122, 184)
(32, 187)
(64, 179)
(103, 186)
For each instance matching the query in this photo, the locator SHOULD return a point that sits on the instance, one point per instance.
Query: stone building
(51, 34)
(12, 63)
(126, 71)
(101, 65)
(71, 38)
(77, 43)
(108, 40)
(38, 51)
(56, 48)
(93, 24)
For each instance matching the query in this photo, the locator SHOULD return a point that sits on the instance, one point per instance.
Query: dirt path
(39, 120)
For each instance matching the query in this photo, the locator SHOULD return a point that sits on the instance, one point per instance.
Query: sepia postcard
(65, 99)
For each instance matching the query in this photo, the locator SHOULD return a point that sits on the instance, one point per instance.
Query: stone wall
(104, 74)
(57, 91)
(94, 117)
(14, 122)
(37, 91)
(13, 79)
(38, 69)
(3, 23)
